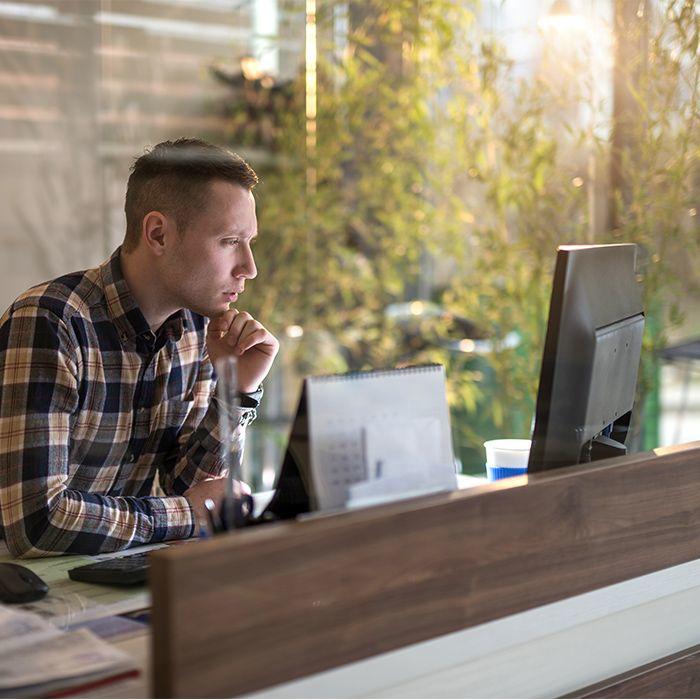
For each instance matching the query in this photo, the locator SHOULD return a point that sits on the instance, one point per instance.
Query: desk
(605, 627)
(547, 651)
(567, 579)
(584, 581)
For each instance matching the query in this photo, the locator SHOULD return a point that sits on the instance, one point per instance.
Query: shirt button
(130, 457)
(142, 410)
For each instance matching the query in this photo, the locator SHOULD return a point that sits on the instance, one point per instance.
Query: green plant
(428, 149)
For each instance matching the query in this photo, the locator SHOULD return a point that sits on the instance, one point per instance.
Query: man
(106, 375)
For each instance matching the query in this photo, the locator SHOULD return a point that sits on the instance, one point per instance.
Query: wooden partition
(252, 609)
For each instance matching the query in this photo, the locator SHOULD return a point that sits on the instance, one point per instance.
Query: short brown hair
(173, 177)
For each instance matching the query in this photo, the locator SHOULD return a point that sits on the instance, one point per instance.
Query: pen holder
(236, 508)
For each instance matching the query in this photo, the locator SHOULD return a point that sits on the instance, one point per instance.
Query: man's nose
(246, 268)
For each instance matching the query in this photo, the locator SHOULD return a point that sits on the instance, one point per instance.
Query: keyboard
(127, 570)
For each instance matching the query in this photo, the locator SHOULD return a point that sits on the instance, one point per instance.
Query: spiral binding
(389, 372)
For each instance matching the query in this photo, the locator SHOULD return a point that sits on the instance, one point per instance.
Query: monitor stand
(604, 447)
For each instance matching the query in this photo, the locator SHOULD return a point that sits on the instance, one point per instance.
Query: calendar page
(385, 429)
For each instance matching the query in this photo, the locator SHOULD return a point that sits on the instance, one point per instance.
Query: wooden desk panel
(261, 607)
(675, 676)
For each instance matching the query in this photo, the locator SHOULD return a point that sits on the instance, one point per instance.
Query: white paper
(392, 425)
(395, 448)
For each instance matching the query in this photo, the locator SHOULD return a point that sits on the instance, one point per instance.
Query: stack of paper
(38, 659)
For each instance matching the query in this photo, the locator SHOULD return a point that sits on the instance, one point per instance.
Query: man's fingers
(243, 323)
(221, 324)
(256, 337)
(240, 332)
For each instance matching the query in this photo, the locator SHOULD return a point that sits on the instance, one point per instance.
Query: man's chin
(211, 310)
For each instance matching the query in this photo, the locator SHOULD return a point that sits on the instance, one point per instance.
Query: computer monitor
(591, 357)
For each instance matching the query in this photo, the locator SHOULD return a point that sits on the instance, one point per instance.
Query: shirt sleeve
(201, 451)
(39, 385)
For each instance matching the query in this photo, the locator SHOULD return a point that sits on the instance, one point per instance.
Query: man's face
(208, 264)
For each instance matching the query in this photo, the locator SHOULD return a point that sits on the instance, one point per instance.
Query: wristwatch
(252, 399)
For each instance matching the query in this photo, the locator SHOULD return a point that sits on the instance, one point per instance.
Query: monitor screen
(591, 357)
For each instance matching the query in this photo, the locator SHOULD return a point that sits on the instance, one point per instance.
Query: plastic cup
(506, 458)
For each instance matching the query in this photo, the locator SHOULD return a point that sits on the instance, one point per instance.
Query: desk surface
(69, 602)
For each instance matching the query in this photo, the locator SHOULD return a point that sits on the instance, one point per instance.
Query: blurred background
(420, 160)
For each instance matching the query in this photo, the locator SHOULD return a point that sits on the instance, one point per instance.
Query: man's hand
(211, 488)
(238, 334)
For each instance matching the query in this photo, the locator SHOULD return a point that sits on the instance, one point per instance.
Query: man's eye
(231, 242)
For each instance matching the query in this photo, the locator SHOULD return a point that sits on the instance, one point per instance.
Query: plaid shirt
(92, 405)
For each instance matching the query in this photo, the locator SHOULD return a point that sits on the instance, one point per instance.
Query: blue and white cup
(506, 458)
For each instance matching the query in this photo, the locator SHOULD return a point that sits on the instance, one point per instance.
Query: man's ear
(155, 231)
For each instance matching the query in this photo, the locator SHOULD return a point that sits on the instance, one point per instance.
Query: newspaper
(36, 657)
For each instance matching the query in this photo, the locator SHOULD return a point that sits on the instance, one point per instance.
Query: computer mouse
(18, 584)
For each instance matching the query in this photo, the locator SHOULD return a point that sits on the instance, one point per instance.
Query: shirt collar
(124, 310)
